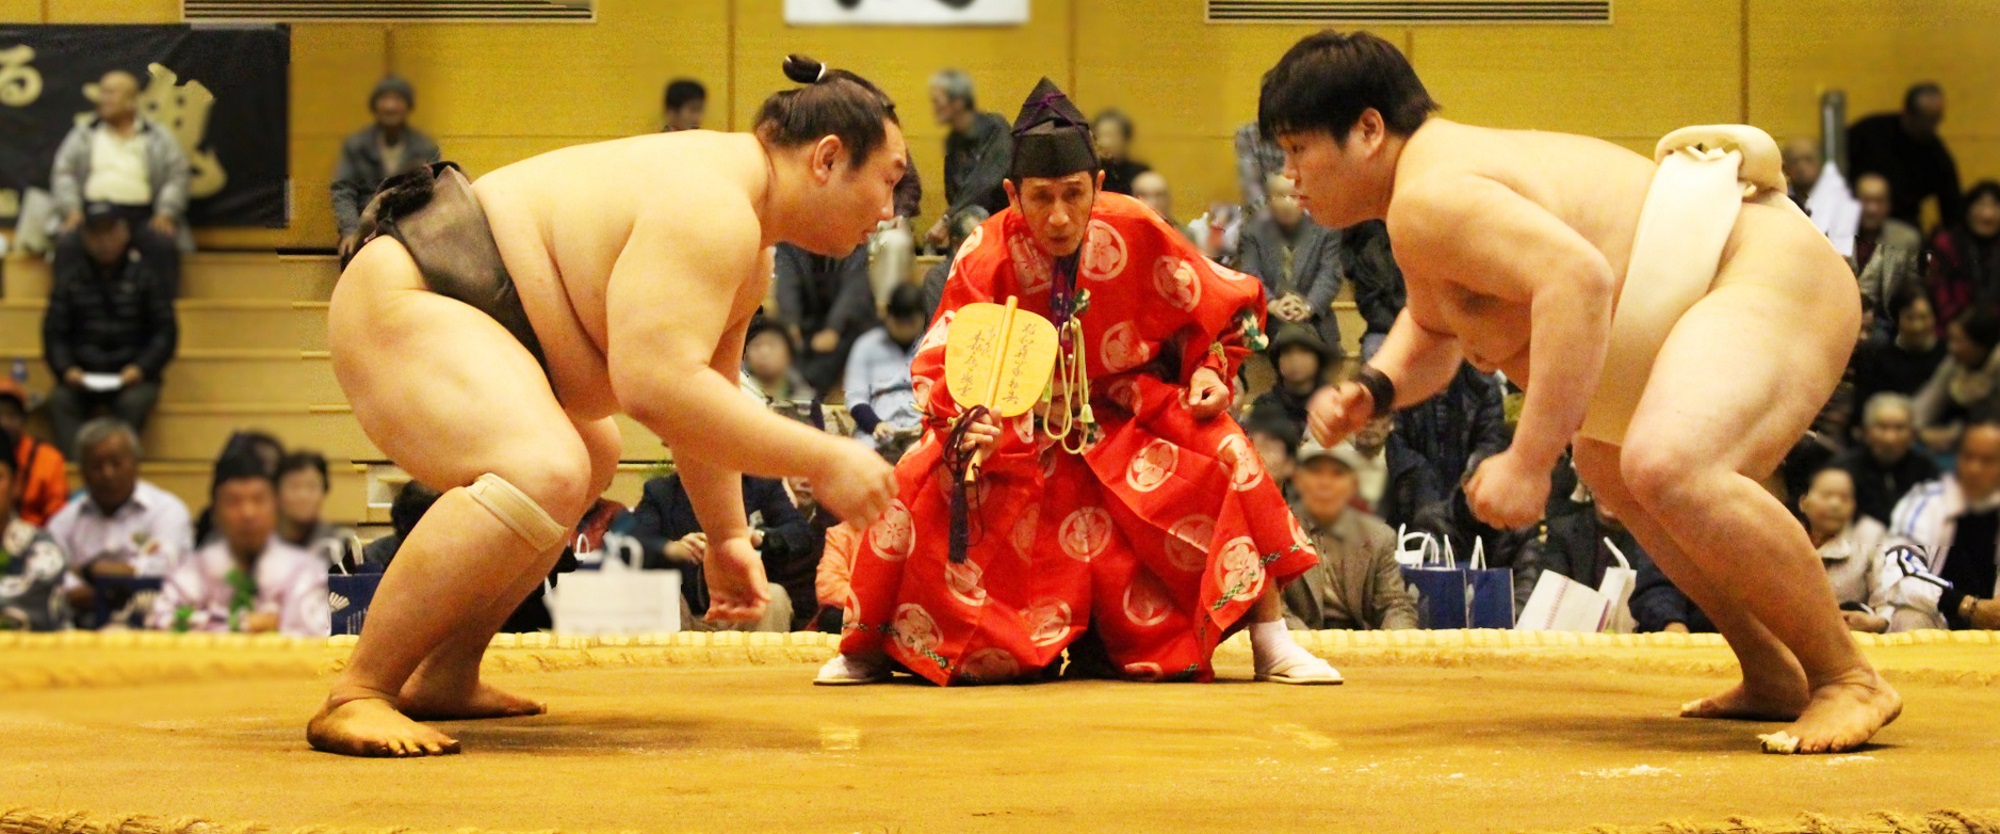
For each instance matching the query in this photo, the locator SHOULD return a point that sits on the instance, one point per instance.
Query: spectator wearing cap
(1394, 481)
(377, 152)
(769, 376)
(1357, 583)
(31, 563)
(109, 330)
(132, 165)
(247, 580)
(1302, 362)
(685, 103)
(41, 482)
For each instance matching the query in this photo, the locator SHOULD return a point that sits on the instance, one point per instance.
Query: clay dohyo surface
(1434, 731)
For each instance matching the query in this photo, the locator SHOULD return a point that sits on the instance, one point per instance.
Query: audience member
(685, 103)
(1964, 271)
(1582, 546)
(1966, 387)
(1151, 188)
(1467, 418)
(248, 443)
(1257, 160)
(1113, 131)
(1945, 543)
(1276, 441)
(412, 501)
(977, 153)
(1887, 465)
(1357, 583)
(825, 533)
(375, 153)
(671, 535)
(1906, 150)
(136, 168)
(31, 563)
(879, 397)
(1903, 363)
(892, 249)
(108, 332)
(1302, 362)
(768, 374)
(934, 280)
(1219, 233)
(1818, 187)
(1659, 606)
(827, 303)
(248, 580)
(123, 526)
(1886, 250)
(1394, 482)
(1378, 283)
(303, 482)
(40, 477)
(1298, 261)
(1850, 546)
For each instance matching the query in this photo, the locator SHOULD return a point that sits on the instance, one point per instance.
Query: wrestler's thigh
(1741, 377)
(445, 391)
(603, 443)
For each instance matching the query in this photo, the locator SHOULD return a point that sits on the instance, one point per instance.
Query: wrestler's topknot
(832, 103)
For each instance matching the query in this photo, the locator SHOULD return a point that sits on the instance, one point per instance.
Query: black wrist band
(1380, 389)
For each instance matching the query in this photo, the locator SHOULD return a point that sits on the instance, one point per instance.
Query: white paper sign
(906, 12)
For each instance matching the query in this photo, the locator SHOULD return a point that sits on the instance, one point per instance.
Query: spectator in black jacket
(827, 303)
(1378, 283)
(671, 536)
(1297, 259)
(1395, 482)
(1659, 606)
(1451, 519)
(1468, 418)
(108, 333)
(977, 152)
(1906, 150)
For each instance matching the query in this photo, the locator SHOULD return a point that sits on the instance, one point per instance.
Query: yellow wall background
(497, 93)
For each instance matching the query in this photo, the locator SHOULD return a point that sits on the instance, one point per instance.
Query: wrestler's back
(562, 218)
(1597, 189)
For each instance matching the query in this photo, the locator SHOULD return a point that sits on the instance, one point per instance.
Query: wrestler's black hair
(1917, 91)
(305, 460)
(832, 103)
(683, 91)
(1326, 81)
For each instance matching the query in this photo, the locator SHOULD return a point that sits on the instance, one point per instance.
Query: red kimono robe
(1159, 536)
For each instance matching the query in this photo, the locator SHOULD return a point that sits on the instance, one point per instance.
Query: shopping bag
(610, 594)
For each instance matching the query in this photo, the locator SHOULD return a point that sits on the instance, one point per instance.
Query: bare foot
(371, 727)
(1841, 716)
(483, 702)
(1744, 702)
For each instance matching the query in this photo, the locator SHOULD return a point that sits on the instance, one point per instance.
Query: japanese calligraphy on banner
(222, 93)
(906, 12)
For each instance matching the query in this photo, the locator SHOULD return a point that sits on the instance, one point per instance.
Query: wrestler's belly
(577, 368)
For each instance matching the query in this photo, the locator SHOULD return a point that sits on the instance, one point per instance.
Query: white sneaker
(845, 670)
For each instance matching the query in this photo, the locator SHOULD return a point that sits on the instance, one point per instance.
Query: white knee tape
(519, 512)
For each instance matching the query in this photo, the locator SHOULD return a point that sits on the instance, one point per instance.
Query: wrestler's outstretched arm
(1490, 241)
(672, 322)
